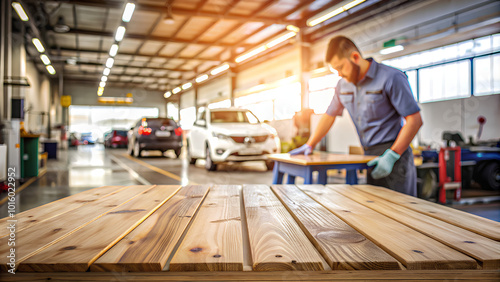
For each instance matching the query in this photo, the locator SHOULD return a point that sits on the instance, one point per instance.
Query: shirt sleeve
(400, 95)
(335, 108)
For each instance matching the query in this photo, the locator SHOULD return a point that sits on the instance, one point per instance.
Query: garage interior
(76, 68)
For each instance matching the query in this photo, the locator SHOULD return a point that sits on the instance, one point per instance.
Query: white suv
(231, 134)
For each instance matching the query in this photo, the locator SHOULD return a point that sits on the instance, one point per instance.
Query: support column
(3, 36)
(232, 87)
(305, 56)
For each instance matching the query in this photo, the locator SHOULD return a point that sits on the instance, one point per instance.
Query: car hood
(240, 129)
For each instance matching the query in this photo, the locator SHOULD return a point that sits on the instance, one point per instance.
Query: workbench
(305, 165)
(251, 233)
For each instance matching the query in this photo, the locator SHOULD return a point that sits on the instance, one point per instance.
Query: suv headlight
(220, 136)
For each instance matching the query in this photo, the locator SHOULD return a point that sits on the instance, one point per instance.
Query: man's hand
(304, 149)
(383, 164)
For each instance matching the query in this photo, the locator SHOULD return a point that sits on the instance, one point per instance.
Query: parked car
(87, 138)
(231, 134)
(160, 134)
(73, 140)
(116, 138)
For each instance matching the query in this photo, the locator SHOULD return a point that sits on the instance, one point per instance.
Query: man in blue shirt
(385, 114)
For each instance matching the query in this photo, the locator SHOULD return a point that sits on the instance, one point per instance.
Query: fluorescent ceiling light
(176, 90)
(104, 78)
(113, 50)
(219, 69)
(250, 54)
(100, 90)
(120, 32)
(128, 12)
(106, 71)
(45, 59)
(392, 49)
(280, 39)
(167, 94)
(51, 69)
(20, 11)
(102, 84)
(293, 28)
(38, 45)
(333, 11)
(201, 78)
(110, 62)
(187, 85)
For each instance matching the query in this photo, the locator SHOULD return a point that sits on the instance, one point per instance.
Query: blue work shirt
(377, 104)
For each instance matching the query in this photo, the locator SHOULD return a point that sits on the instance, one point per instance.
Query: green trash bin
(29, 156)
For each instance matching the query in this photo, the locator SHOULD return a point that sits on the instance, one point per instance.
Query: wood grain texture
(53, 209)
(471, 222)
(37, 237)
(342, 246)
(276, 240)
(486, 250)
(149, 245)
(413, 249)
(80, 249)
(214, 240)
(318, 158)
(288, 276)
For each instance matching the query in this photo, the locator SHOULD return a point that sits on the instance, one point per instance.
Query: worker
(385, 114)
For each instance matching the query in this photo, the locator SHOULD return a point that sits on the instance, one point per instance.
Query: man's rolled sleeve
(336, 107)
(401, 97)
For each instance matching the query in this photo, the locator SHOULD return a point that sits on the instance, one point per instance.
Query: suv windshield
(233, 116)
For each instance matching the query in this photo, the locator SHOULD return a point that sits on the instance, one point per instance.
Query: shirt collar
(372, 70)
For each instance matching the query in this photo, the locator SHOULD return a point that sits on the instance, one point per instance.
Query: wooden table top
(249, 232)
(321, 158)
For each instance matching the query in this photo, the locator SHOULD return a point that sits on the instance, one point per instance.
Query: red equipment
(450, 172)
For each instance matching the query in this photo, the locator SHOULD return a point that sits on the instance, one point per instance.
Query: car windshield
(233, 116)
(159, 122)
(121, 132)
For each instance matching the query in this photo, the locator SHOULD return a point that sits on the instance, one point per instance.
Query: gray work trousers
(403, 177)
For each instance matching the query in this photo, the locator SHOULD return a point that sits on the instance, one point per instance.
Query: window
(487, 76)
(221, 104)
(412, 79)
(445, 82)
(188, 116)
(321, 91)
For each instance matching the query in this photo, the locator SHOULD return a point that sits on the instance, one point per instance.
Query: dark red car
(115, 138)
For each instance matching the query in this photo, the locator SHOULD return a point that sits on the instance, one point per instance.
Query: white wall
(36, 100)
(214, 91)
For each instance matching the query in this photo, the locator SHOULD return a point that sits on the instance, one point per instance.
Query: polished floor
(85, 167)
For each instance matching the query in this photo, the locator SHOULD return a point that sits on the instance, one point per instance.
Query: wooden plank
(214, 240)
(53, 209)
(342, 246)
(80, 249)
(318, 158)
(486, 250)
(328, 276)
(148, 247)
(37, 237)
(413, 249)
(276, 240)
(471, 222)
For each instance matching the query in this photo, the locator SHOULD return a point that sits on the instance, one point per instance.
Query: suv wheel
(270, 165)
(209, 164)
(178, 152)
(137, 149)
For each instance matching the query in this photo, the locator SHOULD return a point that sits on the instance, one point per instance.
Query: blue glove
(304, 149)
(383, 164)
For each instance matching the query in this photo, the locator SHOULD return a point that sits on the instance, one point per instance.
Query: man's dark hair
(341, 47)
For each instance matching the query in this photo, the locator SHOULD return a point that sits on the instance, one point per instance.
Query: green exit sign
(390, 43)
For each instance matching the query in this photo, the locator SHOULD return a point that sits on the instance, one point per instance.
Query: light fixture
(45, 59)
(120, 32)
(392, 49)
(128, 12)
(169, 19)
(102, 84)
(51, 69)
(100, 90)
(38, 45)
(280, 39)
(293, 28)
(61, 26)
(106, 71)
(113, 50)
(176, 90)
(20, 11)
(167, 94)
(110, 62)
(333, 11)
(201, 78)
(219, 69)
(187, 85)
(251, 54)
(104, 78)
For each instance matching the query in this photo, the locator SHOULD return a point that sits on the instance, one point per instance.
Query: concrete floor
(85, 167)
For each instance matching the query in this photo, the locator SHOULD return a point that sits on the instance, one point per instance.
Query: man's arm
(324, 125)
(407, 133)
